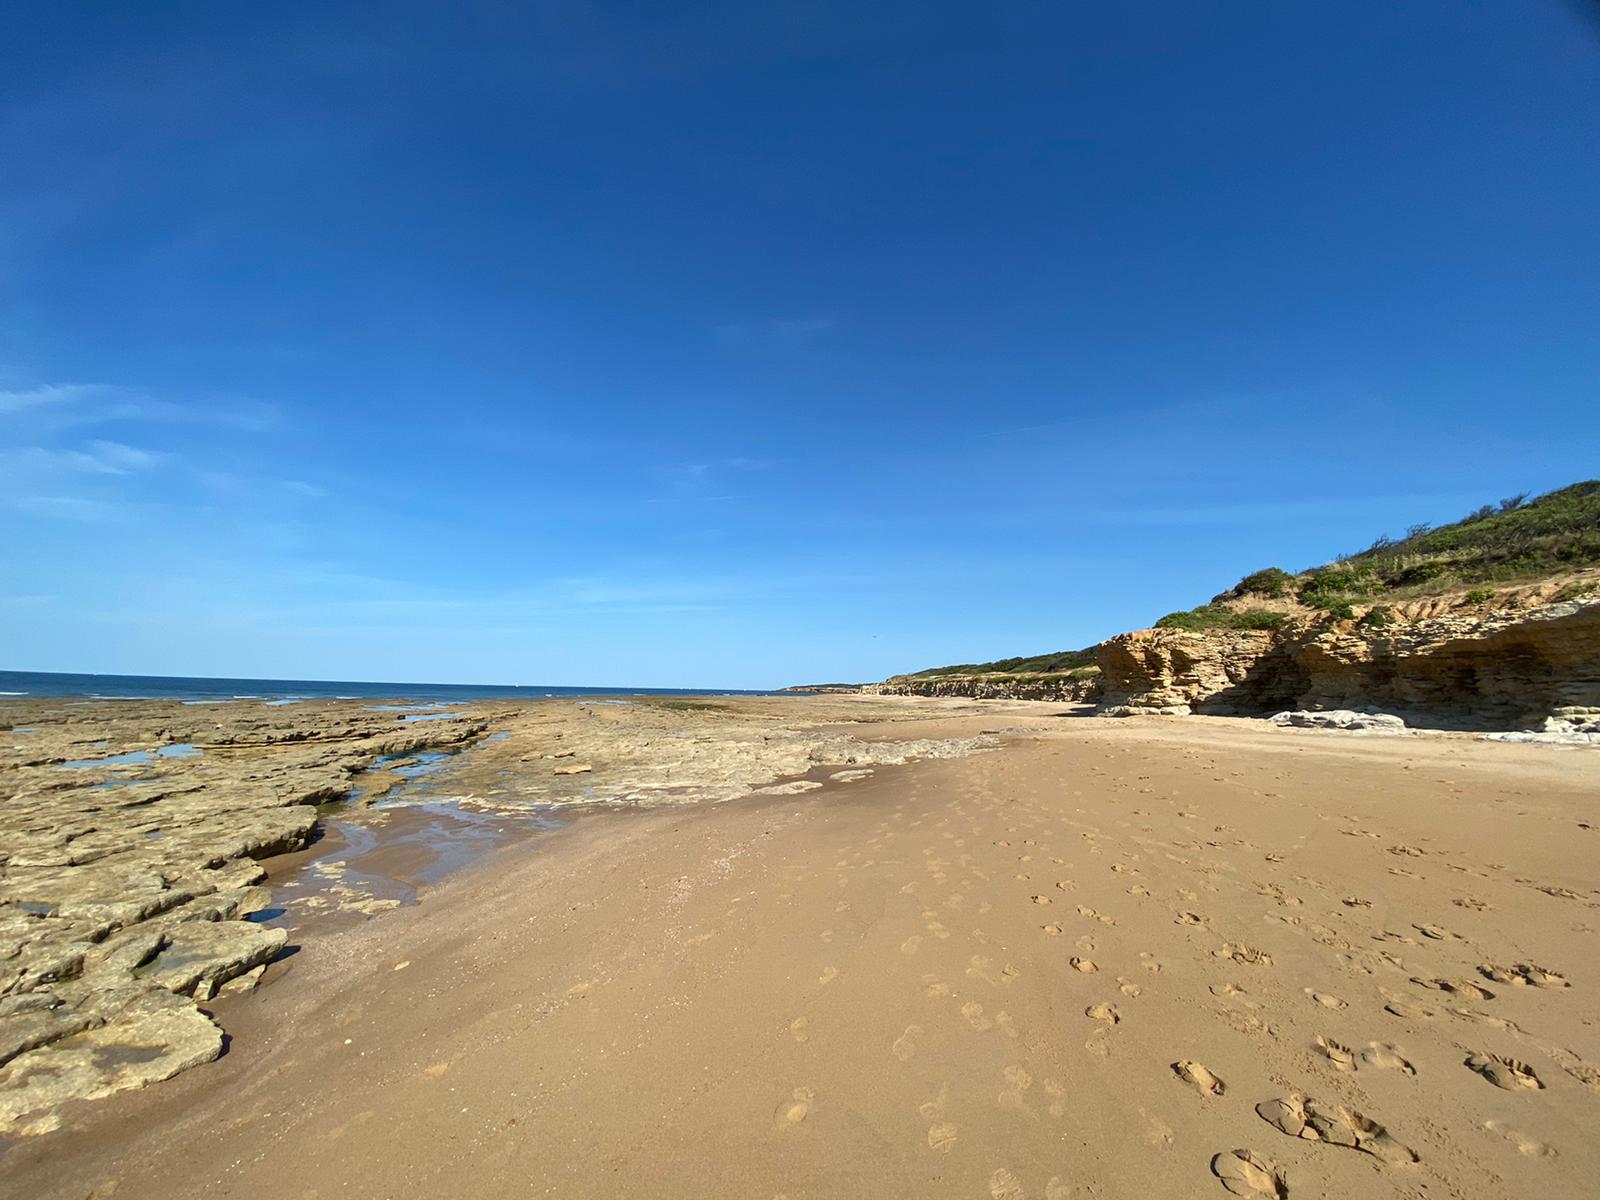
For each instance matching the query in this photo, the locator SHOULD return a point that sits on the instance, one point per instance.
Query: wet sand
(963, 977)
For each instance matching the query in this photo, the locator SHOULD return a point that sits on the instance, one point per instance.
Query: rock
(1058, 689)
(154, 1036)
(122, 881)
(1534, 668)
(29, 1028)
(1341, 718)
(200, 956)
(575, 769)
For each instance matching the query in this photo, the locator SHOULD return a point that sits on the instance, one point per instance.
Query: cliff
(1060, 689)
(1529, 665)
(1492, 621)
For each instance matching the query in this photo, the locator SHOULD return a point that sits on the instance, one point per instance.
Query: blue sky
(746, 345)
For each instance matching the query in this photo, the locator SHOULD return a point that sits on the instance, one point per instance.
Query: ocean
(200, 690)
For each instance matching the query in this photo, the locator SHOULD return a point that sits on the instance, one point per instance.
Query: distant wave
(41, 684)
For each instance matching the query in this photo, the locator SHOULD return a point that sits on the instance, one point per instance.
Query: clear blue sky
(751, 344)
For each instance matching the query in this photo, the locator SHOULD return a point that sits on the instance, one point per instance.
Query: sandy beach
(1150, 957)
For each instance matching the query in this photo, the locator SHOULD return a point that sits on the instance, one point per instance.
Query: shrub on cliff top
(1519, 538)
(1061, 660)
(1376, 617)
(1215, 616)
(1271, 582)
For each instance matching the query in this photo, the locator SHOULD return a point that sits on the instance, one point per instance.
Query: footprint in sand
(1508, 1073)
(1410, 1010)
(1085, 911)
(1053, 930)
(1437, 932)
(1524, 975)
(1128, 987)
(983, 968)
(1011, 1098)
(935, 987)
(1301, 1116)
(973, 1012)
(1149, 961)
(793, 1111)
(1341, 1056)
(905, 1045)
(1528, 1147)
(941, 1138)
(1456, 987)
(1041, 899)
(1189, 918)
(1227, 989)
(1387, 1058)
(1082, 964)
(1004, 1185)
(1241, 953)
(1058, 1098)
(1324, 999)
(829, 974)
(911, 945)
(1103, 1012)
(800, 1027)
(1199, 1077)
(1246, 1173)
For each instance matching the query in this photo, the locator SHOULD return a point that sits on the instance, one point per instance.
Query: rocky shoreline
(1529, 670)
(133, 835)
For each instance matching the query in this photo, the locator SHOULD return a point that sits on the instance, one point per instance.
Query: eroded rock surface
(131, 835)
(129, 840)
(1531, 668)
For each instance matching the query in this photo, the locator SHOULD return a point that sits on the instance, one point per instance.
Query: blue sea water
(35, 684)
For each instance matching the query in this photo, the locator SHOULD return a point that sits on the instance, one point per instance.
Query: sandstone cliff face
(979, 687)
(1512, 669)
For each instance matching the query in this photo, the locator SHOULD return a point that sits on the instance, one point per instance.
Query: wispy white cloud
(99, 457)
(72, 508)
(90, 403)
(45, 396)
(264, 487)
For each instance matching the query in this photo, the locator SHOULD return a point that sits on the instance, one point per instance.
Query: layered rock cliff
(1533, 667)
(1059, 689)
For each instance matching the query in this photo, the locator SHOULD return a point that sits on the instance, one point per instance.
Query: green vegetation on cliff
(1513, 541)
(1217, 616)
(1517, 540)
(1062, 662)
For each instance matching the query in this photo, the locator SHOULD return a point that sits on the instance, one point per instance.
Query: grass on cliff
(1516, 540)
(1062, 662)
(1217, 616)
